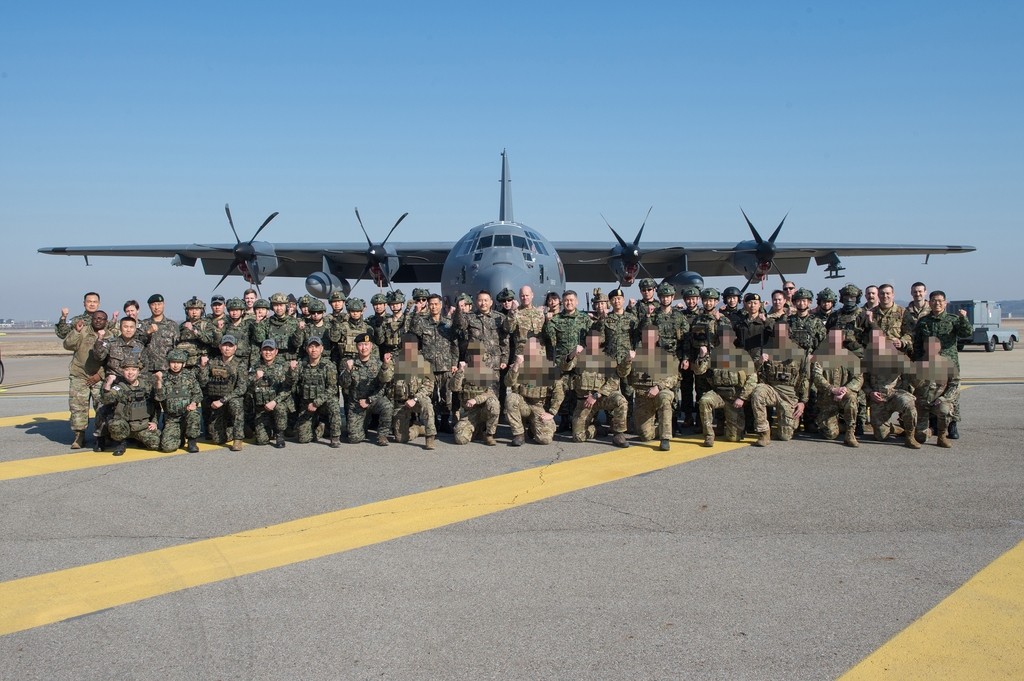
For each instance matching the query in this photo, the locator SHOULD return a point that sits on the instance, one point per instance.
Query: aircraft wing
(586, 261)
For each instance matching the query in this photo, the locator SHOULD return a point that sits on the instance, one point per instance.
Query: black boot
(952, 433)
(121, 447)
(279, 442)
(193, 446)
(100, 443)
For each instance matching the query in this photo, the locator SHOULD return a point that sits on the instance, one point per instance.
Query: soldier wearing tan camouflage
(523, 321)
(593, 377)
(91, 303)
(783, 380)
(838, 380)
(887, 391)
(477, 384)
(653, 376)
(732, 378)
(85, 372)
(535, 395)
(411, 391)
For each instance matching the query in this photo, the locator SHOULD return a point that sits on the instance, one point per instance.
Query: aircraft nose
(499, 276)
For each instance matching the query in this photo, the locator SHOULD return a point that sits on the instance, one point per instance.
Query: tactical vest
(780, 373)
(177, 395)
(135, 405)
(727, 383)
(314, 383)
(222, 379)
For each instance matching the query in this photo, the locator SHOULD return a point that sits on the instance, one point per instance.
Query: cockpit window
(502, 240)
(485, 242)
(540, 247)
(467, 247)
(519, 242)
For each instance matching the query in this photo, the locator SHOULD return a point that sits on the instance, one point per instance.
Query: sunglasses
(420, 300)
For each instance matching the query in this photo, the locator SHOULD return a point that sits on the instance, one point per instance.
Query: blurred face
(408, 350)
(261, 313)
(434, 307)
(250, 299)
(364, 348)
(131, 374)
(709, 304)
(569, 302)
(919, 294)
(193, 314)
(650, 337)
(885, 297)
(227, 350)
(280, 309)
(525, 296)
(484, 302)
(91, 303)
(128, 328)
(176, 367)
(99, 320)
(938, 304)
(268, 355)
(593, 343)
(157, 309)
(835, 339)
(314, 350)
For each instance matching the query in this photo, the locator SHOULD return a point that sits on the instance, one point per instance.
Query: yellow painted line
(43, 599)
(76, 461)
(975, 633)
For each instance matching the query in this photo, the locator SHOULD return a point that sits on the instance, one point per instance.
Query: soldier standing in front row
(225, 381)
(180, 397)
(364, 381)
(315, 386)
(134, 400)
(85, 372)
(271, 390)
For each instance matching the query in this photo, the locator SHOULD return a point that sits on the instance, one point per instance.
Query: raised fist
(348, 364)
(64, 312)
(259, 374)
(387, 358)
(294, 363)
(79, 325)
(203, 360)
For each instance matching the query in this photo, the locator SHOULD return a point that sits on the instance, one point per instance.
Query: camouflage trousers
(783, 398)
(269, 423)
(328, 413)
(735, 419)
(79, 394)
(525, 414)
(478, 420)
(406, 416)
(227, 422)
(121, 429)
(582, 418)
(944, 414)
(829, 411)
(900, 402)
(647, 408)
(441, 398)
(383, 407)
(175, 427)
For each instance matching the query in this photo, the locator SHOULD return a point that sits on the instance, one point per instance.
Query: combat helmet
(826, 295)
(648, 283)
(420, 293)
(803, 293)
(690, 292)
(316, 305)
(177, 355)
(262, 303)
(465, 297)
(236, 304)
(279, 299)
(850, 290)
(304, 300)
(355, 304)
(337, 296)
(599, 297)
(506, 295)
(396, 296)
(710, 294)
(193, 303)
(667, 289)
(377, 299)
(731, 291)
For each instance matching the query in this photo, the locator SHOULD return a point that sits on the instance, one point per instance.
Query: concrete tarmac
(795, 561)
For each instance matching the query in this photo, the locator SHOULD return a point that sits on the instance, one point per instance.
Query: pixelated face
(280, 309)
(434, 306)
(268, 354)
(409, 349)
(878, 341)
(526, 296)
(593, 342)
(249, 299)
(938, 304)
(934, 345)
(227, 350)
(337, 305)
(91, 303)
(569, 302)
(364, 348)
(157, 309)
(131, 373)
(649, 338)
(128, 328)
(314, 350)
(835, 339)
(919, 294)
(193, 314)
(484, 302)
(176, 367)
(532, 347)
(235, 315)
(99, 320)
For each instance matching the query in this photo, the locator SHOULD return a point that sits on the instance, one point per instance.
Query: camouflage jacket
(285, 332)
(640, 310)
(323, 332)
(521, 323)
(134, 403)
(389, 333)
(343, 335)
(367, 380)
(620, 334)
(437, 342)
(478, 389)
(198, 340)
(224, 380)
(585, 380)
(885, 383)
(891, 323)
(673, 332)
(729, 384)
(643, 373)
(947, 328)
(706, 331)
(314, 384)
(821, 314)
(64, 327)
(270, 382)
(159, 343)
(824, 380)
(551, 396)
(807, 331)
(84, 362)
(414, 386)
(855, 327)
(243, 331)
(752, 334)
(178, 390)
(929, 392)
(488, 330)
(112, 352)
(795, 373)
(912, 315)
(565, 331)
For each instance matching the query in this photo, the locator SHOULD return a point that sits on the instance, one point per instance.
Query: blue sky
(874, 122)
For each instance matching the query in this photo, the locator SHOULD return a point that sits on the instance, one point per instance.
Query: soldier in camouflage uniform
(652, 374)
(917, 309)
(594, 379)
(304, 308)
(337, 303)
(420, 296)
(648, 302)
(242, 328)
(112, 352)
(806, 330)
(948, 329)
(395, 325)
(731, 378)
(888, 316)
(486, 327)
(477, 384)
(85, 372)
(523, 321)
(599, 304)
(411, 391)
(160, 334)
(225, 381)
(316, 325)
(826, 301)
(437, 346)
(688, 407)
(315, 390)
(196, 335)
(564, 333)
(133, 397)
(853, 321)
(218, 311)
(752, 328)
(365, 381)
(619, 330)
(782, 383)
(731, 309)
(379, 303)
(838, 382)
(180, 397)
(535, 394)
(344, 333)
(936, 384)
(887, 390)
(281, 327)
(673, 336)
(63, 327)
(270, 388)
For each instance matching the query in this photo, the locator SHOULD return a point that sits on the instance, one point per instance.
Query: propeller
(764, 251)
(243, 250)
(629, 253)
(377, 256)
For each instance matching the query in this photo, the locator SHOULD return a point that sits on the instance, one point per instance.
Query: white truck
(987, 317)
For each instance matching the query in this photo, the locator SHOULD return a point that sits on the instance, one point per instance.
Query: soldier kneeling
(180, 396)
(134, 400)
(413, 387)
(784, 377)
(536, 394)
(476, 383)
(225, 381)
(271, 390)
(651, 372)
(365, 381)
(731, 375)
(594, 378)
(838, 379)
(315, 388)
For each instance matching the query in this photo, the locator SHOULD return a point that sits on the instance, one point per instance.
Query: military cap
(279, 299)
(420, 293)
(133, 361)
(648, 283)
(464, 297)
(616, 292)
(355, 304)
(304, 300)
(217, 300)
(236, 304)
(228, 340)
(506, 295)
(667, 289)
(155, 298)
(599, 297)
(378, 299)
(396, 296)
(850, 290)
(193, 303)
(262, 303)
(336, 296)
(751, 296)
(177, 356)
(710, 294)
(315, 340)
(317, 305)
(731, 291)
(691, 292)
(803, 293)
(363, 338)
(269, 343)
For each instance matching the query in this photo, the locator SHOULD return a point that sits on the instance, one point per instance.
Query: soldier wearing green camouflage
(732, 379)
(806, 330)
(476, 383)
(315, 391)
(535, 394)
(337, 303)
(225, 382)
(344, 333)
(242, 328)
(281, 327)
(438, 346)
(196, 335)
(594, 380)
(652, 373)
(395, 325)
(270, 388)
(112, 352)
(133, 397)
(316, 325)
(180, 397)
(852, 320)
(619, 329)
(936, 385)
(751, 327)
(85, 373)
(411, 391)
(566, 330)
(485, 326)
(160, 335)
(948, 329)
(379, 303)
(63, 326)
(838, 382)
(644, 308)
(826, 302)
(365, 381)
(705, 331)
(783, 382)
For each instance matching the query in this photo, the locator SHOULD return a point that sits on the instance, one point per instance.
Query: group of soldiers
(287, 367)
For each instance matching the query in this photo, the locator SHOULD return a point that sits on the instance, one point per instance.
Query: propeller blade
(265, 223)
(393, 229)
(232, 223)
(604, 259)
(363, 228)
(617, 237)
(757, 237)
(366, 268)
(750, 280)
(779, 270)
(636, 241)
(234, 264)
(779, 228)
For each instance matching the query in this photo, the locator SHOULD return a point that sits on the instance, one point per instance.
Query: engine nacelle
(625, 273)
(685, 278)
(322, 285)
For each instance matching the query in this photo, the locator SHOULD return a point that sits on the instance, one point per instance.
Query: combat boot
(489, 440)
(120, 449)
(335, 442)
(79, 441)
(851, 439)
(382, 441)
(193, 445)
(952, 433)
(709, 439)
(99, 444)
(279, 442)
(619, 440)
(910, 441)
(429, 444)
(517, 440)
(943, 441)
(236, 445)
(882, 432)
(763, 439)
(665, 445)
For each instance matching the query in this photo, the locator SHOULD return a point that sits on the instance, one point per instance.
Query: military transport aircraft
(501, 254)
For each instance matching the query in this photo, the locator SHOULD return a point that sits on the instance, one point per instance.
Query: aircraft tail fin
(505, 210)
